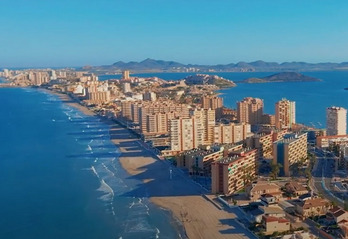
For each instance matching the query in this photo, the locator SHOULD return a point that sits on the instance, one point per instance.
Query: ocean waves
(134, 217)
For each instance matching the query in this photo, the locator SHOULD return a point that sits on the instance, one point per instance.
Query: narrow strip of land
(169, 188)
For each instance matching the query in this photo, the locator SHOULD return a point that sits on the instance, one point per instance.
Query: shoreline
(194, 216)
(66, 99)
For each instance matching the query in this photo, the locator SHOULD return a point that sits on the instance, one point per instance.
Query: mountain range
(151, 65)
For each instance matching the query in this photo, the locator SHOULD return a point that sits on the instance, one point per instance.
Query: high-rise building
(287, 151)
(213, 102)
(231, 133)
(186, 133)
(125, 75)
(250, 110)
(158, 123)
(232, 173)
(53, 75)
(336, 121)
(180, 110)
(149, 96)
(285, 114)
(207, 117)
(126, 109)
(126, 87)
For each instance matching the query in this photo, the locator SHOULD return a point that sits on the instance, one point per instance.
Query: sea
(59, 172)
(60, 176)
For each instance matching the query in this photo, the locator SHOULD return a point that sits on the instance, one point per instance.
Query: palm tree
(275, 169)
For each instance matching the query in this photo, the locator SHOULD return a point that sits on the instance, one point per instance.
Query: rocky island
(281, 77)
(204, 79)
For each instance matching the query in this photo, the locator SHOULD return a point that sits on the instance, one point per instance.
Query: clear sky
(97, 32)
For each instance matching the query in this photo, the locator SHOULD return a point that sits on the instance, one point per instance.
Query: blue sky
(97, 32)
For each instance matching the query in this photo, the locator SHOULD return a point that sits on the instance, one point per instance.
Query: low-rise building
(256, 190)
(313, 207)
(295, 188)
(338, 214)
(326, 141)
(275, 224)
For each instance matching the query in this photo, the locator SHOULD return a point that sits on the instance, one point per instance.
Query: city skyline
(77, 33)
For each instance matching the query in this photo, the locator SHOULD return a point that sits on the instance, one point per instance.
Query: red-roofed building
(275, 224)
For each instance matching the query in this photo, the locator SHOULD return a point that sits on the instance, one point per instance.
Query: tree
(275, 169)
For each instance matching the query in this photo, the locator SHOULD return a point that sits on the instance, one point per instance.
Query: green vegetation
(275, 169)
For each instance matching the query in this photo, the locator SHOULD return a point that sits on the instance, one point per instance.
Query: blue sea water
(312, 98)
(60, 176)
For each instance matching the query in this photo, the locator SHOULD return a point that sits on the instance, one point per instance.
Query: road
(322, 174)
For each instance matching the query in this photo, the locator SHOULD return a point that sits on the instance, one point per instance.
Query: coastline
(194, 215)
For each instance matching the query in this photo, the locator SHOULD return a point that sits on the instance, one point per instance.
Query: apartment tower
(336, 121)
(250, 110)
(285, 114)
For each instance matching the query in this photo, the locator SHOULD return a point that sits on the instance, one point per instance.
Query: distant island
(204, 79)
(152, 65)
(281, 77)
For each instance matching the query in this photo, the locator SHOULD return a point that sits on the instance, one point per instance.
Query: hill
(281, 77)
(203, 79)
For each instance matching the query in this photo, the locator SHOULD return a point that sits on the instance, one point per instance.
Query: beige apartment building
(285, 114)
(186, 133)
(39, 77)
(207, 118)
(199, 158)
(158, 123)
(289, 150)
(98, 97)
(263, 143)
(126, 109)
(231, 133)
(250, 110)
(149, 107)
(230, 174)
(213, 102)
(336, 121)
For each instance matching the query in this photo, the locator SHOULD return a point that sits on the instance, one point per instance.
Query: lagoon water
(312, 98)
(60, 177)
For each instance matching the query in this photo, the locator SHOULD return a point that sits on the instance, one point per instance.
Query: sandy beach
(177, 193)
(167, 187)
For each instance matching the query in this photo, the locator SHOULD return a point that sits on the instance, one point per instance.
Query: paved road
(322, 174)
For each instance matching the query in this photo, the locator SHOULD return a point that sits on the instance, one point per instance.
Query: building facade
(250, 110)
(289, 150)
(285, 114)
(186, 134)
(233, 172)
(231, 133)
(336, 121)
